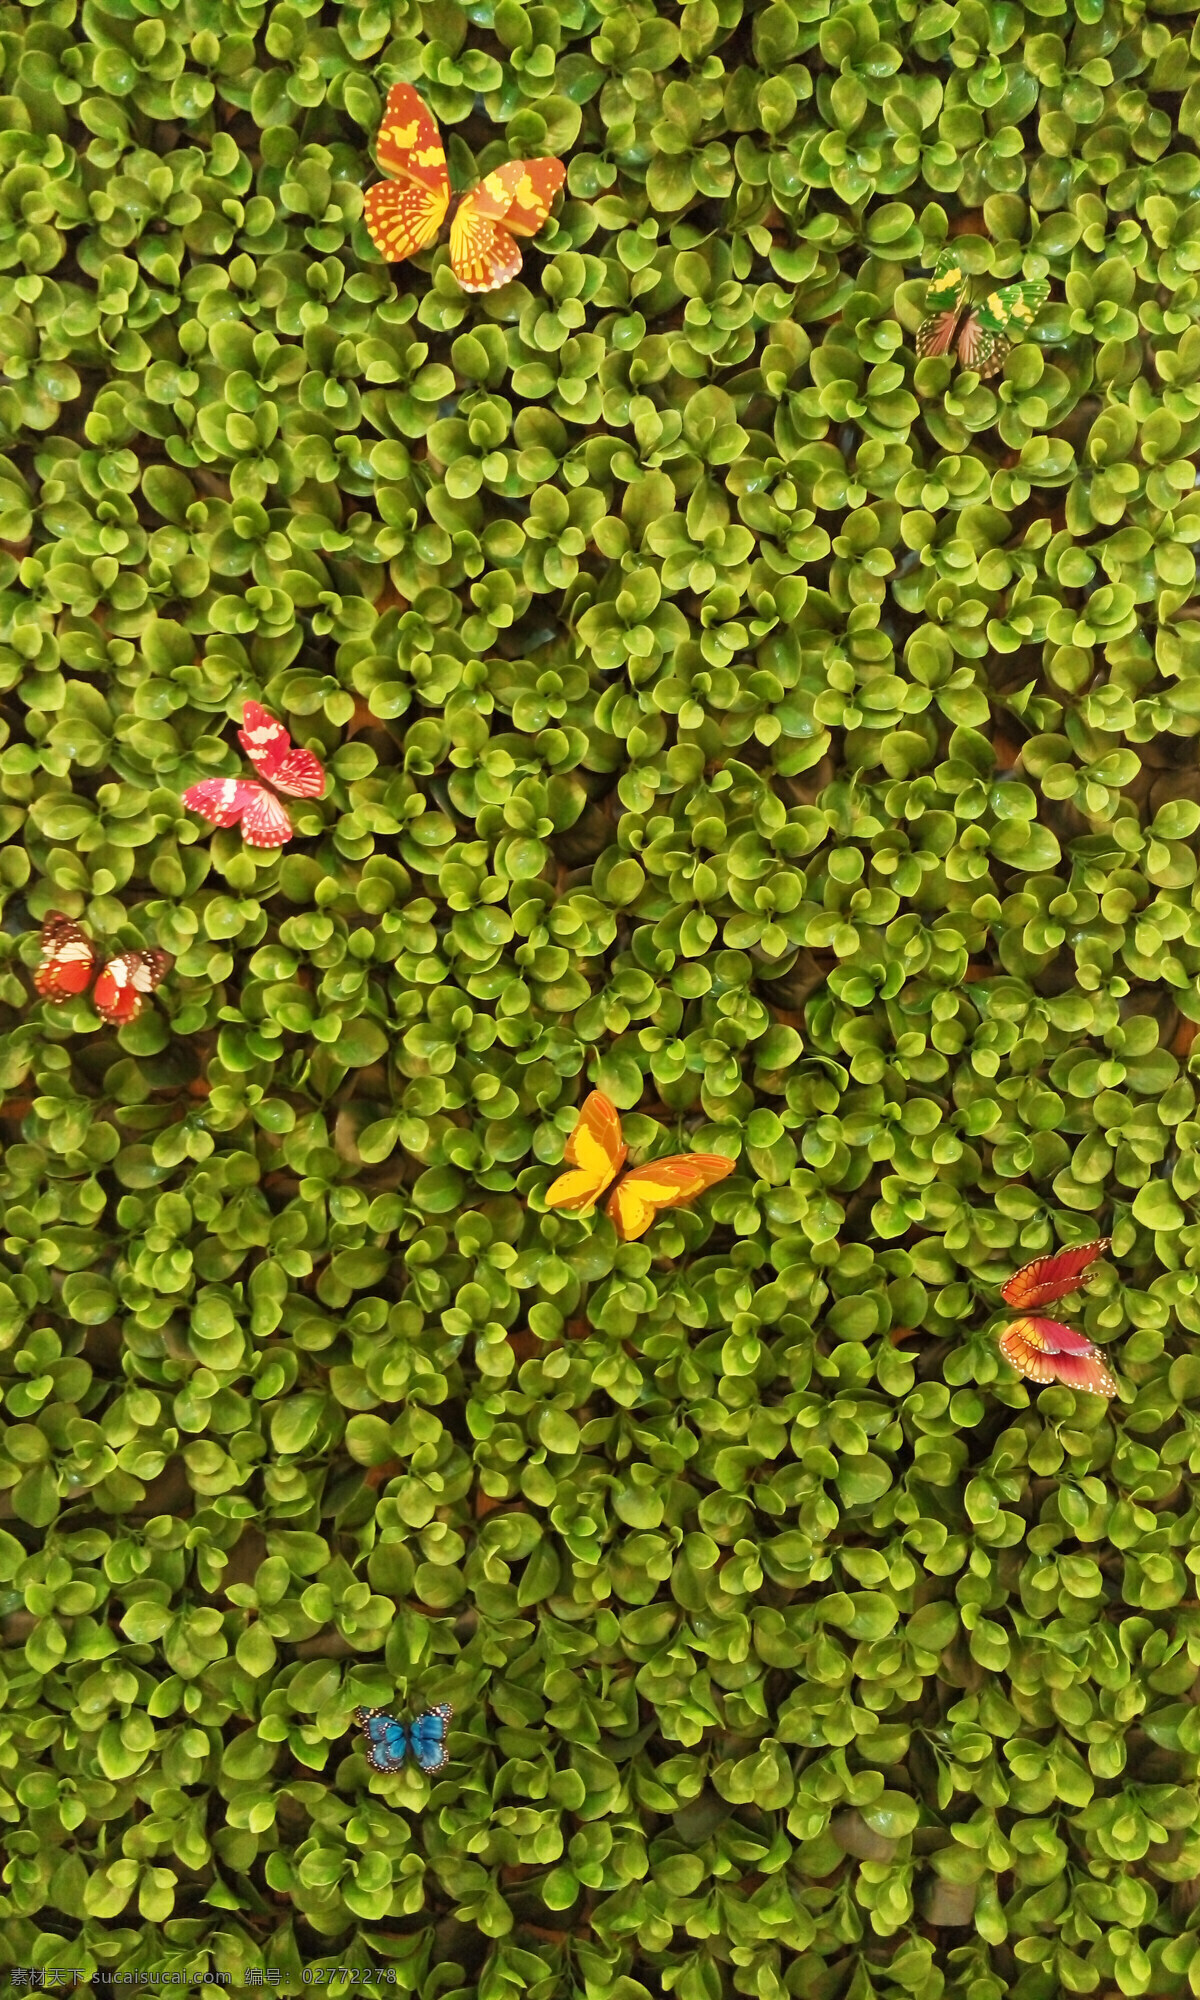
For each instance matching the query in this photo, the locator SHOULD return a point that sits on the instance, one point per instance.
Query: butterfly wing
(404, 213)
(67, 959)
(1013, 309)
(595, 1149)
(428, 1735)
(986, 340)
(401, 220)
(945, 298)
(386, 1739)
(1044, 1350)
(513, 201)
(636, 1200)
(225, 801)
(985, 352)
(1053, 1277)
(408, 146)
(270, 749)
(125, 982)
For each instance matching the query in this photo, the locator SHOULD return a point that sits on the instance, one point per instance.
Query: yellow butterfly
(596, 1153)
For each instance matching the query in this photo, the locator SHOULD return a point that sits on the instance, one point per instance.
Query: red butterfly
(1044, 1350)
(68, 963)
(1050, 1278)
(265, 820)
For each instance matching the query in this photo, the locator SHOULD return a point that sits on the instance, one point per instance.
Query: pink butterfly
(1044, 1350)
(265, 819)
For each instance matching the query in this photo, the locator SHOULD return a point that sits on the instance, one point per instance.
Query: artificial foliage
(722, 709)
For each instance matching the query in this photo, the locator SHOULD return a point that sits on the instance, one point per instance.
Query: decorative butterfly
(990, 328)
(265, 819)
(1053, 1277)
(388, 1740)
(68, 962)
(596, 1151)
(1045, 1350)
(405, 213)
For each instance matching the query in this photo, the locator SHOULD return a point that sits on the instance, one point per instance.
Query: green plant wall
(722, 709)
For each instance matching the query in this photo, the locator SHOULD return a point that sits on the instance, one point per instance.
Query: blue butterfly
(388, 1740)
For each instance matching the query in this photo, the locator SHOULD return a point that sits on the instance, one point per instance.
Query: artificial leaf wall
(722, 709)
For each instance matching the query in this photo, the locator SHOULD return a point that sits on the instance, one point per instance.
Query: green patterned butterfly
(987, 331)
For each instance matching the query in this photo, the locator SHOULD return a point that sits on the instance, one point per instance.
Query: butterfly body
(389, 1740)
(986, 335)
(596, 1152)
(1044, 1350)
(69, 960)
(265, 820)
(405, 213)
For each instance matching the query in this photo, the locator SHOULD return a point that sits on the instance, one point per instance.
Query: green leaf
(359, 1043)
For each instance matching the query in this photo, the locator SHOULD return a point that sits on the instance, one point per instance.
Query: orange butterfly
(405, 213)
(1049, 1278)
(596, 1151)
